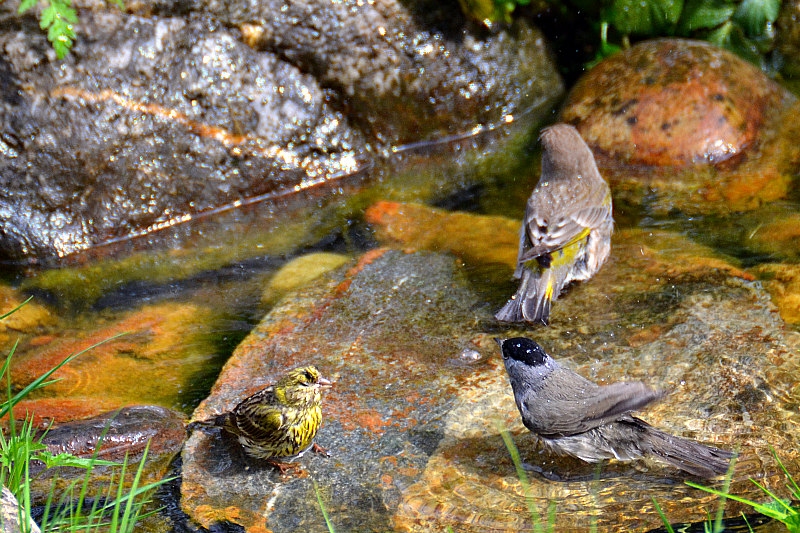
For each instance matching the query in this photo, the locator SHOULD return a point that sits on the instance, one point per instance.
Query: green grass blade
(796, 489)
(766, 511)
(129, 517)
(667, 525)
(521, 475)
(773, 496)
(17, 308)
(38, 382)
(726, 485)
(325, 512)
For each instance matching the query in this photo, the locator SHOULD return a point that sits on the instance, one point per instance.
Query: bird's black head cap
(524, 350)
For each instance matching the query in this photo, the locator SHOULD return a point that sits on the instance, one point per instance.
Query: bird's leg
(319, 450)
(283, 467)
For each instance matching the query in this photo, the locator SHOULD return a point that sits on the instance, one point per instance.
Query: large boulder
(177, 111)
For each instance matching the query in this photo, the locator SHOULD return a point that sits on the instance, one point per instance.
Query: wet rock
(114, 154)
(704, 129)
(778, 235)
(9, 515)
(434, 229)
(412, 421)
(409, 71)
(783, 283)
(163, 118)
(113, 436)
(299, 272)
(29, 317)
(165, 342)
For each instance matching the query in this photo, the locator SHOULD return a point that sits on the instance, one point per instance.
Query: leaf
(645, 17)
(753, 15)
(23, 7)
(699, 14)
(66, 459)
(48, 17)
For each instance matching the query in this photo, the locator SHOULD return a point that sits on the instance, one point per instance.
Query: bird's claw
(284, 467)
(319, 450)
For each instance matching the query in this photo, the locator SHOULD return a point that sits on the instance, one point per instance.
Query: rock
(702, 128)
(9, 515)
(30, 317)
(299, 272)
(121, 435)
(783, 283)
(412, 420)
(158, 341)
(778, 237)
(434, 229)
(238, 103)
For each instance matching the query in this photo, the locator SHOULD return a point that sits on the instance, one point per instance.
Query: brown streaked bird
(280, 421)
(566, 233)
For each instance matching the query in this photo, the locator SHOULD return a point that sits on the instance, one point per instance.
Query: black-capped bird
(280, 421)
(566, 233)
(572, 416)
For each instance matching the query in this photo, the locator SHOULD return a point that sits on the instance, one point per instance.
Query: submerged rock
(30, 317)
(167, 343)
(703, 129)
(782, 280)
(300, 272)
(420, 391)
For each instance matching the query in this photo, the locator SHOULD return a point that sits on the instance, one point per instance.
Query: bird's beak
(324, 383)
(499, 342)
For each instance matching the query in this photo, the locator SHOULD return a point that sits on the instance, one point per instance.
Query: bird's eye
(308, 379)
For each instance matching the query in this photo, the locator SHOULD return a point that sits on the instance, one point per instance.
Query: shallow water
(187, 309)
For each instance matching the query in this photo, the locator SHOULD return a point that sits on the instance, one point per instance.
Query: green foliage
(742, 26)
(777, 508)
(58, 17)
(522, 475)
(643, 17)
(117, 512)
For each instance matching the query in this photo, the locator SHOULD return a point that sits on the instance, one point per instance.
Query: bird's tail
(688, 455)
(217, 421)
(533, 298)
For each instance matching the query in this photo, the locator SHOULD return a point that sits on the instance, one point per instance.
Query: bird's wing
(598, 406)
(259, 416)
(548, 236)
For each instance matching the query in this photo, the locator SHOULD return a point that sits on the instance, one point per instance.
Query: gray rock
(9, 515)
(168, 114)
(420, 393)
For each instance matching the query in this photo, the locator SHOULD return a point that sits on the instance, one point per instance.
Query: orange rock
(675, 123)
(672, 102)
(474, 238)
(783, 283)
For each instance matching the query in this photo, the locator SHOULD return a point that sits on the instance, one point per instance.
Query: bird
(566, 233)
(573, 416)
(279, 421)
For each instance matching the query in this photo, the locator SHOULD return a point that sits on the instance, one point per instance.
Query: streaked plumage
(279, 421)
(566, 233)
(572, 416)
